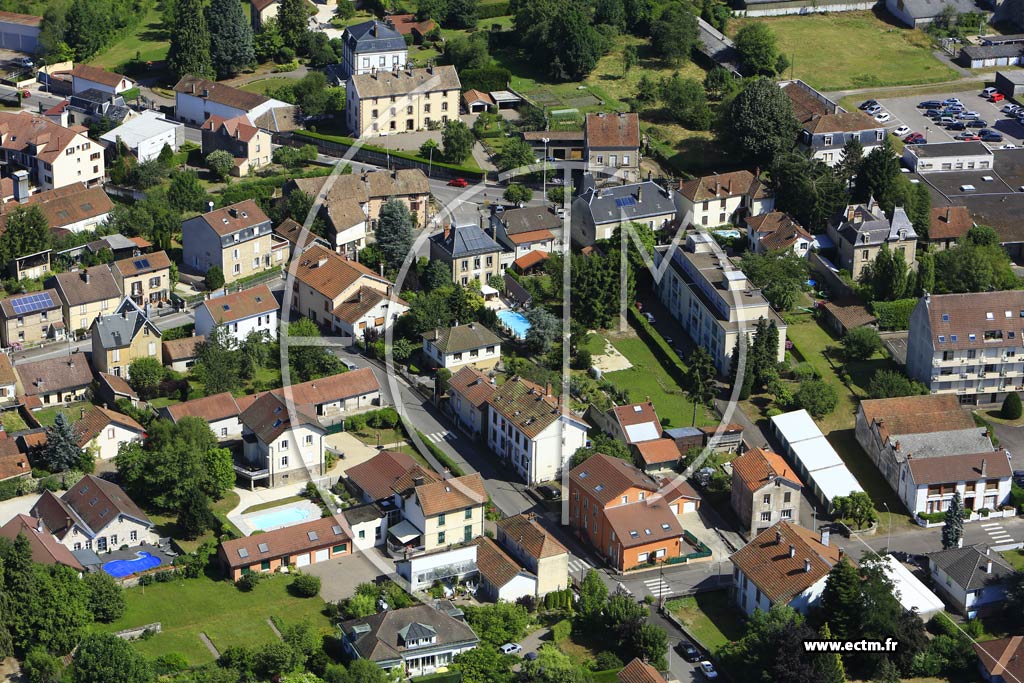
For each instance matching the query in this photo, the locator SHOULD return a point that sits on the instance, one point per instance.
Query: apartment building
(29, 319)
(145, 279)
(342, 295)
(401, 100)
(597, 213)
(611, 145)
(54, 156)
(723, 199)
(712, 300)
(861, 230)
(242, 313)
(248, 144)
(454, 347)
(765, 490)
(527, 430)
(967, 344)
(84, 295)
(281, 444)
(238, 239)
(372, 46)
(470, 252)
(123, 336)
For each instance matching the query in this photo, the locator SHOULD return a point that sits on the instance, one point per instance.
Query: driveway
(1012, 439)
(353, 452)
(339, 577)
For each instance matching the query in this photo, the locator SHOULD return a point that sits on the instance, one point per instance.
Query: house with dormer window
(281, 443)
(294, 546)
(861, 230)
(413, 640)
(96, 515)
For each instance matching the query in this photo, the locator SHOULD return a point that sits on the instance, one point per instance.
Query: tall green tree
(757, 47)
(925, 273)
(675, 33)
(62, 452)
(545, 330)
(686, 101)
(829, 666)
(700, 379)
(456, 141)
(593, 596)
(762, 358)
(307, 363)
(105, 658)
(216, 365)
(515, 154)
(807, 189)
(573, 42)
(759, 122)
(186, 193)
(189, 53)
(841, 600)
(231, 40)
(953, 526)
(292, 22)
(27, 232)
(106, 597)
(394, 233)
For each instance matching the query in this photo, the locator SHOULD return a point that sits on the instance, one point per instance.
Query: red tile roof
(639, 671)
(658, 451)
(1003, 657)
(949, 222)
(494, 565)
(320, 533)
(527, 261)
(605, 478)
(612, 130)
(758, 466)
(328, 273)
(636, 414)
(722, 185)
(531, 536)
(643, 522)
(472, 385)
(96, 75)
(13, 463)
(210, 408)
(230, 219)
(451, 495)
(181, 349)
(45, 548)
(376, 476)
(916, 414)
(954, 468)
(976, 314)
(97, 418)
(245, 303)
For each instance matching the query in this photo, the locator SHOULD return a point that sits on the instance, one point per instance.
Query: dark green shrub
(1011, 407)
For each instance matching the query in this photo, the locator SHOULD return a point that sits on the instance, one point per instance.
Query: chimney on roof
(639, 193)
(825, 536)
(209, 206)
(842, 553)
(850, 210)
(81, 414)
(447, 231)
(778, 537)
(984, 468)
(896, 446)
(988, 567)
(321, 263)
(949, 214)
(807, 566)
(417, 480)
(39, 526)
(233, 212)
(21, 186)
(67, 522)
(85, 276)
(792, 550)
(547, 389)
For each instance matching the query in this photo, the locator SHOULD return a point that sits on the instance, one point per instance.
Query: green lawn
(166, 525)
(47, 416)
(374, 437)
(1015, 558)
(149, 41)
(12, 421)
(843, 50)
(229, 617)
(712, 618)
(264, 85)
(647, 378)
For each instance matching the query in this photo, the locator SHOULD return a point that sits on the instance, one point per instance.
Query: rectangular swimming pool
(272, 519)
(515, 322)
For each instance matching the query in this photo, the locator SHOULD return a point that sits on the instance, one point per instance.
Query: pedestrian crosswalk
(438, 437)
(997, 533)
(658, 587)
(577, 567)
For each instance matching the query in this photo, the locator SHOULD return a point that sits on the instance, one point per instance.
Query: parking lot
(904, 111)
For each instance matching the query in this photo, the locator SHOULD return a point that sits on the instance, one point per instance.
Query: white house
(502, 579)
(220, 411)
(981, 479)
(723, 199)
(948, 156)
(372, 46)
(85, 77)
(146, 134)
(281, 444)
(197, 99)
(783, 565)
(971, 579)
(241, 313)
(471, 344)
(96, 515)
(101, 431)
(527, 430)
(447, 565)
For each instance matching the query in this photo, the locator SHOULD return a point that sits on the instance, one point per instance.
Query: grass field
(264, 85)
(72, 412)
(150, 41)
(12, 421)
(647, 378)
(845, 50)
(166, 525)
(186, 608)
(712, 618)
(1015, 558)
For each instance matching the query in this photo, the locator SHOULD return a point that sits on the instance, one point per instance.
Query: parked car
(987, 92)
(1018, 477)
(946, 120)
(883, 117)
(910, 139)
(1009, 146)
(977, 123)
(550, 492)
(901, 132)
(873, 109)
(968, 115)
(530, 656)
(1010, 108)
(920, 140)
(708, 669)
(957, 125)
(650, 317)
(458, 182)
(511, 649)
(687, 651)
(951, 100)
(996, 97)
(968, 137)
(24, 61)
(868, 103)
(929, 104)
(991, 137)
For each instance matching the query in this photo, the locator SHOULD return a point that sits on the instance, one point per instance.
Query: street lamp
(544, 173)
(661, 587)
(888, 537)
(926, 129)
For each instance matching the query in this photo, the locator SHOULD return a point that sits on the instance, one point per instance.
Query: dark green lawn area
(712, 618)
(12, 421)
(72, 412)
(229, 617)
(647, 378)
(166, 525)
(149, 42)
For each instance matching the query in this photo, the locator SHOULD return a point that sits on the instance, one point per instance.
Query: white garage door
(674, 507)
(302, 560)
(323, 555)
(690, 507)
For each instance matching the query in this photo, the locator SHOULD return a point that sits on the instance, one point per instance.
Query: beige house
(54, 156)
(96, 515)
(611, 145)
(861, 231)
(101, 431)
(470, 252)
(454, 347)
(401, 100)
(765, 490)
(238, 239)
(280, 445)
(248, 144)
(326, 284)
(84, 295)
(28, 319)
(724, 198)
(123, 336)
(145, 279)
(54, 381)
(537, 550)
(444, 512)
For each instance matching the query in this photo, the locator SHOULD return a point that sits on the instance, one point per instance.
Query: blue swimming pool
(119, 568)
(516, 323)
(273, 519)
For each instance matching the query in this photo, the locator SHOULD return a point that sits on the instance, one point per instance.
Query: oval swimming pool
(515, 321)
(272, 519)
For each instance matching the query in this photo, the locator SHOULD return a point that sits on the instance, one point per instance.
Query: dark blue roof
(467, 240)
(374, 36)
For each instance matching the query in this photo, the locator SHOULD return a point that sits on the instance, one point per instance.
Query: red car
(912, 138)
(458, 182)
(968, 137)
(996, 97)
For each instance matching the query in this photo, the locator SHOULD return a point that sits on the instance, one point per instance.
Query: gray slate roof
(923, 9)
(462, 338)
(373, 36)
(528, 219)
(117, 331)
(966, 566)
(628, 202)
(377, 637)
(873, 229)
(85, 286)
(468, 240)
(932, 444)
(900, 223)
(992, 51)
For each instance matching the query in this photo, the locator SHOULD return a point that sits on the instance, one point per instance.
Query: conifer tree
(953, 527)
(829, 666)
(189, 53)
(231, 41)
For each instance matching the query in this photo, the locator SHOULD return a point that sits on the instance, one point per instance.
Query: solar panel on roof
(31, 303)
(141, 263)
(625, 201)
